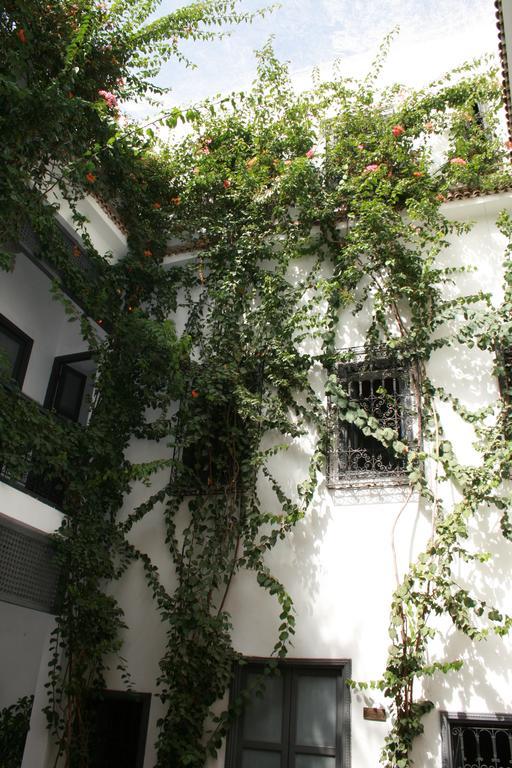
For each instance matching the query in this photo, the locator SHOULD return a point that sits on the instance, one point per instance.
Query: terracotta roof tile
(465, 194)
(504, 64)
(110, 211)
(191, 245)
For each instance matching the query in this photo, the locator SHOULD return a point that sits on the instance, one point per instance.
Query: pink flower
(397, 130)
(372, 168)
(205, 150)
(109, 98)
(360, 146)
(458, 161)
(226, 183)
(310, 153)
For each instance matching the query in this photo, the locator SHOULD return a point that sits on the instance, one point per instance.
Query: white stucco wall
(26, 301)
(339, 563)
(23, 637)
(106, 236)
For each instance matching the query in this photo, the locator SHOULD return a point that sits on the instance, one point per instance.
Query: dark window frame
(53, 384)
(341, 668)
(470, 719)
(344, 455)
(23, 357)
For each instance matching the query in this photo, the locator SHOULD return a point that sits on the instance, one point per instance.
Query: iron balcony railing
(30, 243)
(47, 486)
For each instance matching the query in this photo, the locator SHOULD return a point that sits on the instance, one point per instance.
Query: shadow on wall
(483, 684)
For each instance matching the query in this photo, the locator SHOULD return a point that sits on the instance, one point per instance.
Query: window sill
(362, 480)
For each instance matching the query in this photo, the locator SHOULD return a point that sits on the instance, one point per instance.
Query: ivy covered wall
(313, 215)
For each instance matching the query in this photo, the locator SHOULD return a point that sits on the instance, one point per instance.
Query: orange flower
(157, 205)
(21, 35)
(148, 253)
(91, 178)
(397, 130)
(508, 144)
(194, 393)
(76, 251)
(441, 198)
(418, 174)
(176, 200)
(226, 183)
(458, 161)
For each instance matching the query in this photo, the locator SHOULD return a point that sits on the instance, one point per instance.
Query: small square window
(476, 739)
(297, 718)
(15, 348)
(381, 387)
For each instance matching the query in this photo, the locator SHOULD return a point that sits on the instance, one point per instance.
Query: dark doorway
(119, 726)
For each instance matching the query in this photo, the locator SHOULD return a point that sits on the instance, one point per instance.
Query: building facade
(341, 563)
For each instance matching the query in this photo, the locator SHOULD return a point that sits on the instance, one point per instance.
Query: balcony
(36, 456)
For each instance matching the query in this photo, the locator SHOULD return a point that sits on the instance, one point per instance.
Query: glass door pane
(263, 715)
(316, 711)
(314, 761)
(258, 758)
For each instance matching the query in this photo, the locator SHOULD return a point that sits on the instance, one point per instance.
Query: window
(476, 740)
(70, 387)
(301, 719)
(382, 388)
(15, 348)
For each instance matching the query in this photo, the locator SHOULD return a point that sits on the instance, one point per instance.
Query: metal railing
(481, 746)
(382, 389)
(32, 479)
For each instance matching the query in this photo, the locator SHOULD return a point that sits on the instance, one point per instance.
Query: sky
(434, 37)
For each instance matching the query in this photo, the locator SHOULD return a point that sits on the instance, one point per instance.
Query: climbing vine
(302, 211)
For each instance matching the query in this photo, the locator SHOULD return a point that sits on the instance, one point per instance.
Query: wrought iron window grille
(476, 740)
(380, 386)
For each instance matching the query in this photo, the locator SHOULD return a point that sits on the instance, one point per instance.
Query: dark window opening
(70, 386)
(476, 740)
(207, 464)
(15, 348)
(382, 389)
(119, 722)
(298, 717)
(215, 462)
